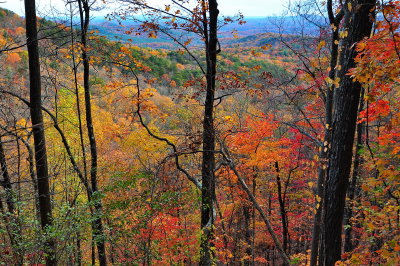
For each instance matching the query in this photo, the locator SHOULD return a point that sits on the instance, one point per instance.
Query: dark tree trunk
(351, 192)
(38, 128)
(10, 218)
(358, 24)
(6, 181)
(324, 150)
(208, 162)
(282, 208)
(97, 225)
(247, 234)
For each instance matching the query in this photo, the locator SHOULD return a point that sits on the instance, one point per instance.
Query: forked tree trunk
(38, 129)
(357, 25)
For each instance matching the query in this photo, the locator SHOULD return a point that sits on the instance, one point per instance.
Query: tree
(38, 130)
(210, 27)
(334, 21)
(97, 226)
(357, 25)
(203, 20)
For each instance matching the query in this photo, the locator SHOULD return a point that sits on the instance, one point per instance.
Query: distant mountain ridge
(257, 31)
(250, 33)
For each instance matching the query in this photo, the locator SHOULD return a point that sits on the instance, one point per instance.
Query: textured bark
(38, 129)
(351, 191)
(358, 23)
(97, 224)
(210, 27)
(324, 150)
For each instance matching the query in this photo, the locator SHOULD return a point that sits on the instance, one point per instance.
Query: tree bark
(357, 24)
(351, 192)
(38, 129)
(247, 234)
(324, 150)
(10, 218)
(282, 209)
(208, 161)
(6, 182)
(97, 224)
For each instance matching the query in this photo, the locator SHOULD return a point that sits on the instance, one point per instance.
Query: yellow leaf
(321, 44)
(343, 34)
(349, 6)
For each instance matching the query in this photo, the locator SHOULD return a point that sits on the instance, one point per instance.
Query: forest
(171, 134)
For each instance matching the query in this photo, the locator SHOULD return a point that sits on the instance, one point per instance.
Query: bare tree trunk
(253, 209)
(6, 182)
(282, 209)
(324, 151)
(247, 232)
(38, 129)
(97, 225)
(208, 162)
(351, 192)
(10, 218)
(357, 25)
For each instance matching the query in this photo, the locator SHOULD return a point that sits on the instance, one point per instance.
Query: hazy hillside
(250, 33)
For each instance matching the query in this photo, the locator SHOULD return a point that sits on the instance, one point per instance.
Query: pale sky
(259, 8)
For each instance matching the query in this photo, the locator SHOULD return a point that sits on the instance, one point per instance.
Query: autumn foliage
(148, 110)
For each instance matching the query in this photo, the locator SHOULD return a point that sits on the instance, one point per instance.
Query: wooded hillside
(277, 146)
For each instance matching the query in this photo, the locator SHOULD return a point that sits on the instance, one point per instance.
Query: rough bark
(38, 129)
(358, 24)
(351, 191)
(324, 150)
(208, 161)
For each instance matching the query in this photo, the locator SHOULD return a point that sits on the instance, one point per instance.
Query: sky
(249, 8)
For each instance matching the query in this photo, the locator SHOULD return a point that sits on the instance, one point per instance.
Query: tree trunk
(357, 25)
(324, 150)
(38, 128)
(282, 209)
(10, 218)
(6, 182)
(208, 160)
(351, 192)
(97, 225)
(247, 234)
